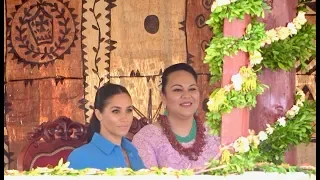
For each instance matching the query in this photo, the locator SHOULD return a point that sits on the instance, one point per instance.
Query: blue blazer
(100, 153)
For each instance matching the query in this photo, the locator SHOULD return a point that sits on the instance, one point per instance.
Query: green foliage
(271, 167)
(234, 99)
(62, 169)
(283, 54)
(302, 5)
(243, 162)
(297, 130)
(214, 55)
(228, 46)
(237, 164)
(233, 11)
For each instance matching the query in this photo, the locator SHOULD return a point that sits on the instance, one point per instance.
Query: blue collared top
(100, 153)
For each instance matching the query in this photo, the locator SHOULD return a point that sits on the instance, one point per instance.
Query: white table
(245, 176)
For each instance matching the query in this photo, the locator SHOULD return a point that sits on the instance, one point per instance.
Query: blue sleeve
(76, 160)
(138, 161)
(141, 166)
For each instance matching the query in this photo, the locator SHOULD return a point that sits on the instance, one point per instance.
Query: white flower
(301, 18)
(292, 28)
(237, 82)
(255, 57)
(222, 2)
(262, 136)
(228, 87)
(269, 129)
(272, 36)
(250, 65)
(214, 6)
(282, 121)
(91, 171)
(253, 139)
(302, 97)
(268, 41)
(233, 0)
(290, 114)
(295, 109)
(241, 145)
(210, 104)
(297, 24)
(301, 15)
(283, 32)
(299, 103)
(262, 44)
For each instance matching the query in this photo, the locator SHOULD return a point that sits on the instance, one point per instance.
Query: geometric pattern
(143, 52)
(121, 45)
(42, 41)
(7, 154)
(105, 55)
(96, 22)
(149, 36)
(306, 79)
(41, 32)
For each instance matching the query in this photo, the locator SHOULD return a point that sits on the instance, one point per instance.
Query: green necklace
(190, 136)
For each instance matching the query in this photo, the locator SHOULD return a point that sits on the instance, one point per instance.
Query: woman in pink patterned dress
(178, 139)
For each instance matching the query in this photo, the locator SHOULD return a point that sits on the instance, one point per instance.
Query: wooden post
(279, 98)
(236, 123)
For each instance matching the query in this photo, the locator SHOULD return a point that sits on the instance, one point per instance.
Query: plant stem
(210, 169)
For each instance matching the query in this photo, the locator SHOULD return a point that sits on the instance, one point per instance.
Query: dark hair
(174, 68)
(103, 94)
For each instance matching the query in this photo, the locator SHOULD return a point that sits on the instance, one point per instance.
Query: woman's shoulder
(81, 151)
(149, 132)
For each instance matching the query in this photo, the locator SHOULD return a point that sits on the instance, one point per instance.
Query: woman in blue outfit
(110, 122)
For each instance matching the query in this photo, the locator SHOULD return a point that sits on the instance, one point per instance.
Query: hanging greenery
(278, 48)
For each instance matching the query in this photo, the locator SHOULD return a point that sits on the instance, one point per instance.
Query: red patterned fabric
(51, 159)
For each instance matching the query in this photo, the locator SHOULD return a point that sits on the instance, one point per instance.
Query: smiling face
(181, 95)
(116, 117)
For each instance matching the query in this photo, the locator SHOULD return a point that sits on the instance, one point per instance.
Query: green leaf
(249, 27)
(281, 66)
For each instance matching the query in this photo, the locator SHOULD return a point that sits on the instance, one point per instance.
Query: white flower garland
(272, 35)
(238, 84)
(281, 33)
(242, 144)
(217, 3)
(255, 57)
(276, 34)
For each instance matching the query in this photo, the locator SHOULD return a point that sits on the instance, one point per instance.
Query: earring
(165, 111)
